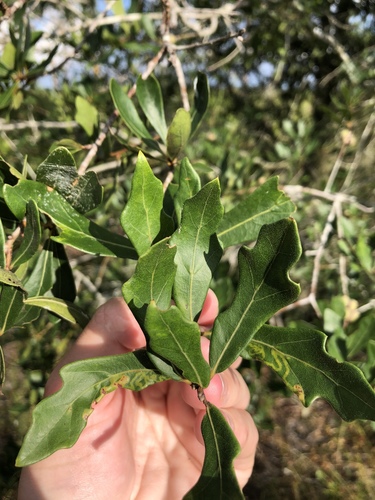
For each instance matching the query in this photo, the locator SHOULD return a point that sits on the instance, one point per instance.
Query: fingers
(112, 330)
(209, 311)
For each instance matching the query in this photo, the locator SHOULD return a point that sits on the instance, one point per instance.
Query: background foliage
(293, 95)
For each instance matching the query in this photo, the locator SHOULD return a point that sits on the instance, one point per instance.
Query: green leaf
(86, 115)
(178, 133)
(176, 339)
(31, 236)
(6, 97)
(59, 171)
(64, 284)
(198, 251)
(300, 358)
(128, 111)
(2, 370)
(153, 277)
(59, 419)
(11, 302)
(3, 240)
(189, 184)
(64, 309)
(141, 216)
(201, 100)
(362, 335)
(8, 56)
(77, 231)
(266, 205)
(10, 279)
(264, 288)
(218, 479)
(42, 276)
(151, 101)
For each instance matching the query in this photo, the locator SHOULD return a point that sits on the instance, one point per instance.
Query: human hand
(140, 445)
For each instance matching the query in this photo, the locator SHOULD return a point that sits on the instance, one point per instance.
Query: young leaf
(266, 205)
(189, 184)
(86, 115)
(176, 339)
(264, 287)
(299, 356)
(153, 277)
(178, 133)
(201, 100)
(141, 216)
(59, 419)
(128, 111)
(198, 252)
(77, 231)
(64, 309)
(218, 479)
(151, 101)
(11, 301)
(59, 171)
(31, 236)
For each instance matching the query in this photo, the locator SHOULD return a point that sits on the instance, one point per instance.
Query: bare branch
(43, 124)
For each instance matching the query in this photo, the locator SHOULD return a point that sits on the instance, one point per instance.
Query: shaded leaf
(201, 216)
(266, 205)
(11, 302)
(264, 288)
(189, 184)
(59, 171)
(299, 356)
(86, 115)
(201, 100)
(153, 277)
(77, 231)
(176, 339)
(151, 101)
(2, 245)
(64, 284)
(178, 133)
(64, 309)
(59, 419)
(128, 111)
(31, 236)
(141, 216)
(218, 479)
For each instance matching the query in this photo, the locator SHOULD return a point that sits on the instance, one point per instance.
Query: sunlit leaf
(9, 278)
(266, 205)
(299, 356)
(178, 133)
(264, 288)
(174, 338)
(31, 236)
(59, 419)
(86, 115)
(64, 309)
(198, 251)
(151, 101)
(128, 111)
(77, 231)
(189, 184)
(218, 479)
(141, 216)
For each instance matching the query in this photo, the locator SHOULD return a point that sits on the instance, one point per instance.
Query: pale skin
(140, 445)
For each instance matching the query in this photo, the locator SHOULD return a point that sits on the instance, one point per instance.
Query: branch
(43, 124)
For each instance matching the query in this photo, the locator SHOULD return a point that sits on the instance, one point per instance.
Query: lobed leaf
(153, 277)
(178, 133)
(299, 356)
(141, 216)
(264, 287)
(177, 340)
(151, 101)
(265, 205)
(218, 479)
(59, 419)
(198, 251)
(77, 231)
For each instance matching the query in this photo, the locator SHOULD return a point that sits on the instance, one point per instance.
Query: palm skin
(139, 445)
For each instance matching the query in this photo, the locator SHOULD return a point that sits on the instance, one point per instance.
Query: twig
(9, 12)
(337, 165)
(43, 124)
(213, 41)
(9, 246)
